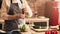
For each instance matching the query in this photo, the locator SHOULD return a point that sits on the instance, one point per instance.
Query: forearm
(12, 17)
(17, 16)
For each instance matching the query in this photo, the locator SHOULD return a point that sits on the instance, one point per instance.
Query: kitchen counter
(32, 20)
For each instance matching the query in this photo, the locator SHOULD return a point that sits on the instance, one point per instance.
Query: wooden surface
(30, 32)
(32, 20)
(2, 31)
(34, 32)
(37, 19)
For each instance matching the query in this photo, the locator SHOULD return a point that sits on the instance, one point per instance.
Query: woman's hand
(21, 15)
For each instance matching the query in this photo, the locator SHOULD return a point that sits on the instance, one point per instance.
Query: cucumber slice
(36, 27)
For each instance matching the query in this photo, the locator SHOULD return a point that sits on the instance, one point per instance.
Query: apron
(12, 24)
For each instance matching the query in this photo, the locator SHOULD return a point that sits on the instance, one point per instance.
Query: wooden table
(32, 20)
(34, 32)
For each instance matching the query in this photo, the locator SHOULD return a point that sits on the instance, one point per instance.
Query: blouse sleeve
(28, 9)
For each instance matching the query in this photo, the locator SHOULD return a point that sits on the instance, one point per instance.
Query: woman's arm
(11, 17)
(17, 16)
(27, 9)
(8, 2)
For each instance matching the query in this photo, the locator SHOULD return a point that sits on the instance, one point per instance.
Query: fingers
(21, 16)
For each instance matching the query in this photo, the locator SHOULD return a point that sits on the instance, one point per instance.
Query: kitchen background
(45, 8)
